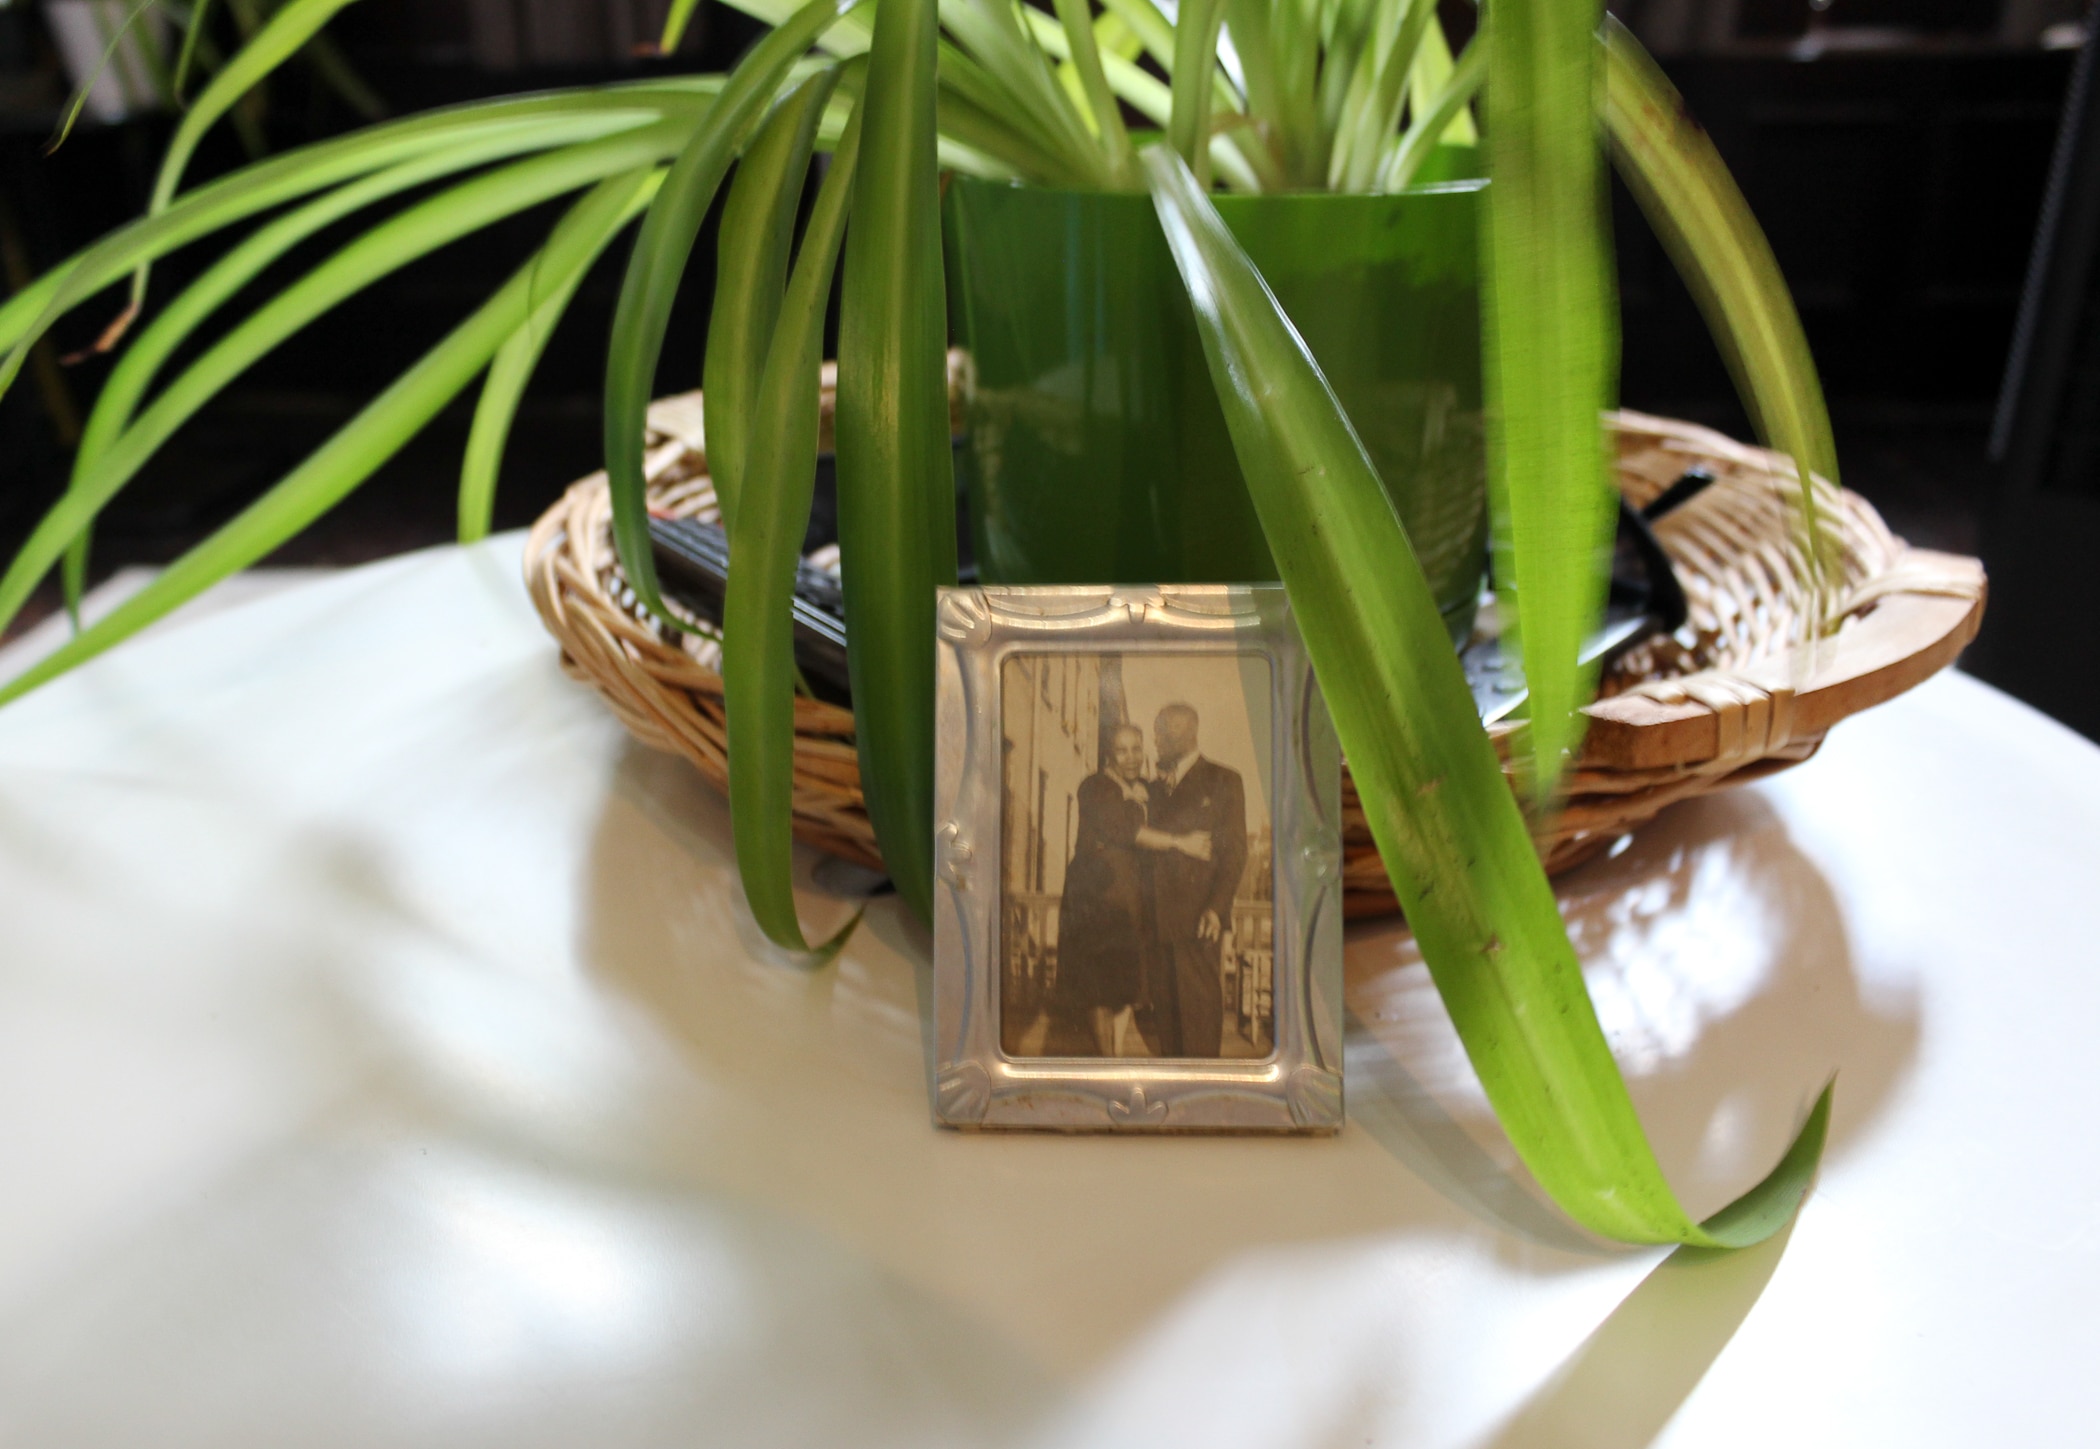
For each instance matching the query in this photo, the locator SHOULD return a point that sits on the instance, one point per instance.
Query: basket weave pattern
(1746, 688)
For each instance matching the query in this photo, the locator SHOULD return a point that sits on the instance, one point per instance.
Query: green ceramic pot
(1096, 451)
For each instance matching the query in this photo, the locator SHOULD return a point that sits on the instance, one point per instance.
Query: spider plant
(202, 53)
(1236, 94)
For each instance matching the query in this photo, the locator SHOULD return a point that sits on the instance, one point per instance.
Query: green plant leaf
(962, 119)
(895, 461)
(751, 273)
(1344, 27)
(1154, 34)
(1077, 18)
(1688, 196)
(1150, 25)
(246, 114)
(1115, 36)
(1130, 82)
(26, 316)
(765, 547)
(1248, 23)
(481, 461)
(1452, 837)
(1419, 142)
(511, 370)
(1371, 111)
(1432, 73)
(1237, 158)
(1261, 141)
(1196, 28)
(141, 362)
(962, 78)
(676, 19)
(1026, 90)
(355, 450)
(847, 38)
(421, 229)
(1549, 352)
(643, 312)
(192, 32)
(78, 102)
(1285, 35)
(288, 30)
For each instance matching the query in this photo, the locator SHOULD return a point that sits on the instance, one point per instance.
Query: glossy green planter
(1096, 449)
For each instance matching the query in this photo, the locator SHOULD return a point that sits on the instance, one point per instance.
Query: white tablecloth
(385, 1060)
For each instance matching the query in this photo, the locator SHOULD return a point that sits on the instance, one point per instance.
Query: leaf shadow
(1626, 1381)
(1716, 953)
(1392, 1104)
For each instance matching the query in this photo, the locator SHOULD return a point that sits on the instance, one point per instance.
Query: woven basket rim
(1744, 690)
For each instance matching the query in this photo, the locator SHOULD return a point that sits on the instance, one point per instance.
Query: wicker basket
(1735, 695)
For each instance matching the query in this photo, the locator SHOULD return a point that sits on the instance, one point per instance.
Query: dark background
(1896, 152)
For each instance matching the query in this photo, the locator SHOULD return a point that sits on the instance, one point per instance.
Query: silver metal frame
(1298, 1088)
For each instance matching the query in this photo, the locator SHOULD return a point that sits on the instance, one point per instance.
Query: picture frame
(1138, 905)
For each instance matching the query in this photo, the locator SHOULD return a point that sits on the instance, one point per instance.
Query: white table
(384, 1060)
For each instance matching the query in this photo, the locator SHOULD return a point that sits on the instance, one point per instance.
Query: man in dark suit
(1192, 890)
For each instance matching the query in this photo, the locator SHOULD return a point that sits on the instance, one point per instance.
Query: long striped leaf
(501, 391)
(1432, 71)
(1372, 110)
(1238, 155)
(110, 43)
(1419, 142)
(765, 546)
(1114, 36)
(676, 19)
(658, 264)
(356, 449)
(416, 232)
(1077, 18)
(288, 29)
(1128, 82)
(751, 272)
(1288, 33)
(1344, 25)
(1027, 90)
(962, 77)
(25, 317)
(192, 32)
(1196, 28)
(896, 466)
(964, 120)
(1684, 188)
(1150, 26)
(1453, 839)
(1154, 33)
(141, 362)
(1549, 348)
(1247, 22)
(956, 154)
(847, 38)
(496, 409)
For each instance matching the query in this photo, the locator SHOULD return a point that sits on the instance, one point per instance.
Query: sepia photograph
(1137, 867)
(1137, 842)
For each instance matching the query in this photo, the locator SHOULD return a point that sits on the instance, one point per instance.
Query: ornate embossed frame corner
(1298, 1087)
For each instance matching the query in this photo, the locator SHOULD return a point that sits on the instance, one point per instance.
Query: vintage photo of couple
(1138, 899)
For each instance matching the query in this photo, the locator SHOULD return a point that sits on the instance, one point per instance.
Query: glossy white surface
(384, 1060)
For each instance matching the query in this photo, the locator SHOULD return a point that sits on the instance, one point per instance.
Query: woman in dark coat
(1102, 926)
